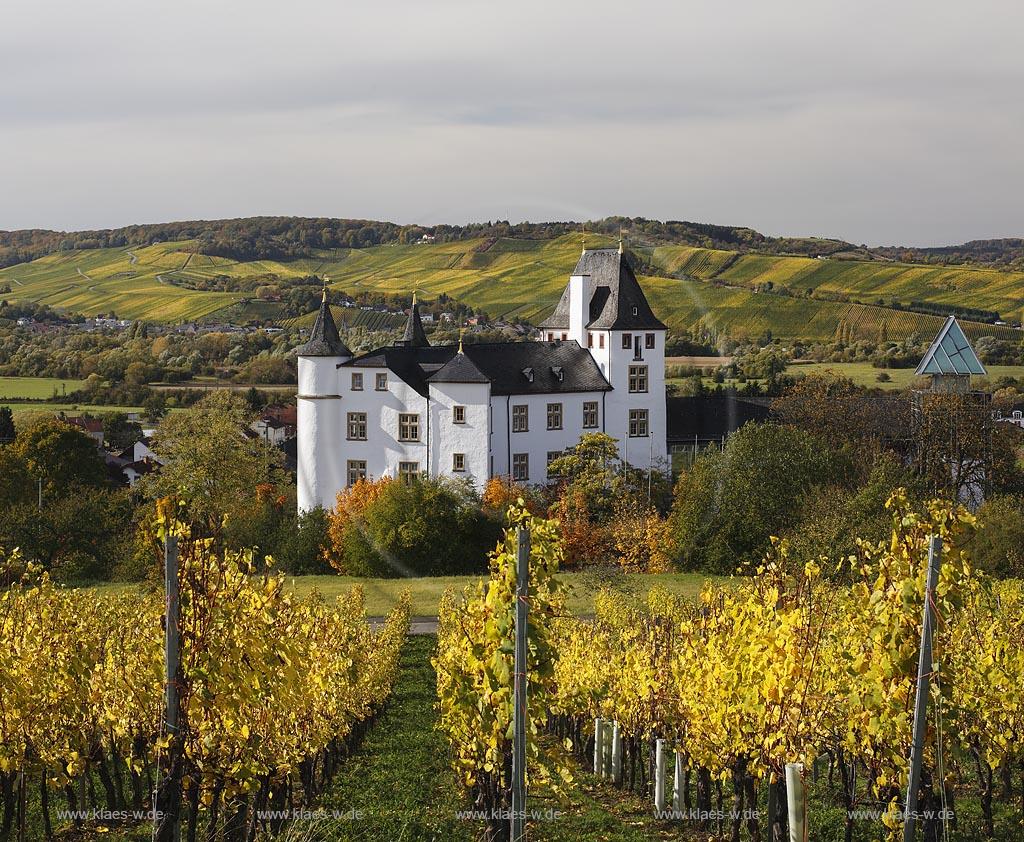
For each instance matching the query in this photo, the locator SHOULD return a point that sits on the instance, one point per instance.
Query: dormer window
(557, 371)
(528, 374)
(636, 311)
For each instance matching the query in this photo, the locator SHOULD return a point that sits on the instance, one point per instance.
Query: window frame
(590, 407)
(352, 421)
(554, 416)
(520, 467)
(520, 418)
(409, 426)
(458, 463)
(639, 424)
(627, 342)
(382, 381)
(408, 472)
(458, 414)
(360, 473)
(649, 341)
(357, 381)
(638, 378)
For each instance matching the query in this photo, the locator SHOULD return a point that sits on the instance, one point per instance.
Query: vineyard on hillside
(781, 667)
(272, 690)
(510, 277)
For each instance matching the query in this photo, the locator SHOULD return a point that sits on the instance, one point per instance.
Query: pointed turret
(324, 340)
(414, 336)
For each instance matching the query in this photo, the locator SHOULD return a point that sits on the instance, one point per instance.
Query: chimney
(579, 308)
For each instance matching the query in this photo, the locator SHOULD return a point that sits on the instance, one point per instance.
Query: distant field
(525, 278)
(864, 374)
(35, 388)
(702, 362)
(987, 289)
(20, 409)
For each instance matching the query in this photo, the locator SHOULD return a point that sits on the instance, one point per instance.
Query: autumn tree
(730, 502)
(210, 461)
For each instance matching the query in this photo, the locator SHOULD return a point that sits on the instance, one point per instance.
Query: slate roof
(614, 294)
(459, 369)
(950, 353)
(512, 368)
(414, 335)
(324, 340)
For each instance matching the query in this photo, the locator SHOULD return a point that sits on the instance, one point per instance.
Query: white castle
(484, 410)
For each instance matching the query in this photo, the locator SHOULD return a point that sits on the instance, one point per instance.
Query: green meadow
(507, 277)
(36, 388)
(864, 374)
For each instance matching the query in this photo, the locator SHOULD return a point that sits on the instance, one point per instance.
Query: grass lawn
(20, 409)
(381, 594)
(36, 388)
(864, 374)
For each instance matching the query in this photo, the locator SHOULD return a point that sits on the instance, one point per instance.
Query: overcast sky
(877, 122)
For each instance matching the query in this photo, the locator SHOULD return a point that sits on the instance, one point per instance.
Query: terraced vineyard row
(955, 285)
(525, 278)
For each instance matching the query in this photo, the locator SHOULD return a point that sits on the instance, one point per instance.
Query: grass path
(401, 781)
(400, 777)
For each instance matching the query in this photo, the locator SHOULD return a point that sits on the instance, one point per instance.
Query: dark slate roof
(459, 369)
(324, 340)
(414, 336)
(709, 417)
(512, 368)
(614, 293)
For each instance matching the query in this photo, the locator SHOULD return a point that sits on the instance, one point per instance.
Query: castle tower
(320, 421)
(604, 309)
(414, 336)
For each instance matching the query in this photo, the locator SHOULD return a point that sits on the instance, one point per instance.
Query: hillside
(712, 290)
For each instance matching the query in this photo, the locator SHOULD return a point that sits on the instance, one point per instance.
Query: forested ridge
(282, 237)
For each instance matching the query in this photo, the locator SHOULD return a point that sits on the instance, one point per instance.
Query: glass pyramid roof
(950, 353)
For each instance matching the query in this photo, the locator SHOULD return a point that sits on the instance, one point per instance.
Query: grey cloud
(875, 122)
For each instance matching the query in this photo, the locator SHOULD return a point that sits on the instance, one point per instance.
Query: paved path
(133, 260)
(417, 625)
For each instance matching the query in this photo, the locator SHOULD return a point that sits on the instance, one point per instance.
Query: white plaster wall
(382, 451)
(640, 452)
(318, 375)
(319, 479)
(470, 438)
(318, 413)
(538, 440)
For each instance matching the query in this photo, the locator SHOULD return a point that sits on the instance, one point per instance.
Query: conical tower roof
(414, 336)
(324, 340)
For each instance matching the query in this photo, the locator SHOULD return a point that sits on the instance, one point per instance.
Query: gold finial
(325, 289)
(462, 332)
(620, 241)
(584, 239)
(414, 298)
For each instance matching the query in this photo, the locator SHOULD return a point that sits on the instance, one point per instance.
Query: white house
(485, 410)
